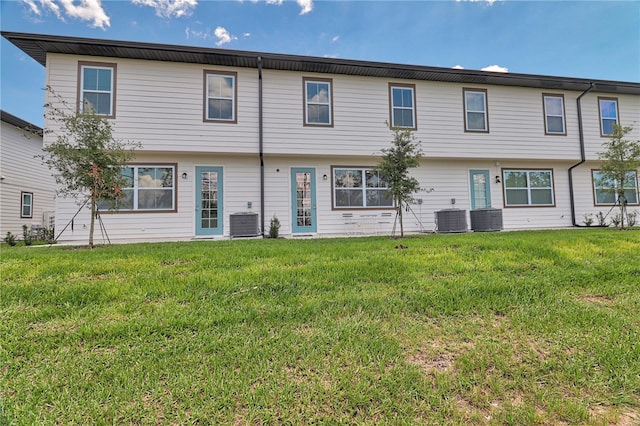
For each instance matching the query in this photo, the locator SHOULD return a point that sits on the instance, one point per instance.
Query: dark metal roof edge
(313, 63)
(19, 122)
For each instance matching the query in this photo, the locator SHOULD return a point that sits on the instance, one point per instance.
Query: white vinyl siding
(242, 184)
(22, 172)
(554, 121)
(528, 188)
(604, 191)
(170, 119)
(170, 126)
(97, 88)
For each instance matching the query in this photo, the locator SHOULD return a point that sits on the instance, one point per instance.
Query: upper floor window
(608, 115)
(604, 190)
(26, 205)
(554, 121)
(403, 110)
(357, 187)
(475, 110)
(220, 96)
(147, 188)
(318, 102)
(97, 88)
(528, 188)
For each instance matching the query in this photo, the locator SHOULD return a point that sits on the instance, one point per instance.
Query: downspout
(261, 145)
(583, 156)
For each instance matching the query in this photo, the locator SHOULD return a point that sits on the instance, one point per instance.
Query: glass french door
(480, 192)
(303, 196)
(209, 200)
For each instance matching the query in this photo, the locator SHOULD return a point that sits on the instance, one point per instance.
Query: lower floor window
(528, 188)
(604, 190)
(26, 205)
(359, 188)
(147, 188)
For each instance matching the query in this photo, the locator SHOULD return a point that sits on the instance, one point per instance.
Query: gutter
(261, 145)
(583, 156)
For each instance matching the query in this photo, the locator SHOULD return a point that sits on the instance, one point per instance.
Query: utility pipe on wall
(260, 145)
(583, 156)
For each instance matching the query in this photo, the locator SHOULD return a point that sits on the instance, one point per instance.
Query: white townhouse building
(27, 188)
(232, 138)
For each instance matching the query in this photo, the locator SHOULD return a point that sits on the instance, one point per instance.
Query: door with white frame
(303, 197)
(209, 201)
(480, 191)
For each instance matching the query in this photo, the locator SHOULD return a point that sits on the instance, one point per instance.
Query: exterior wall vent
(451, 220)
(243, 225)
(483, 220)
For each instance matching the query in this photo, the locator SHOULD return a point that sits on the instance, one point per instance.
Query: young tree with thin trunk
(404, 154)
(85, 159)
(620, 163)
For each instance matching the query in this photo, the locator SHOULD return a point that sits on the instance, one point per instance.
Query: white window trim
(392, 87)
(110, 92)
(484, 112)
(604, 99)
(602, 188)
(135, 188)
(232, 98)
(363, 171)
(23, 204)
(547, 115)
(308, 102)
(528, 187)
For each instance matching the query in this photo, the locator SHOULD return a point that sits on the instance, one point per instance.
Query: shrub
(48, 235)
(274, 227)
(616, 219)
(10, 239)
(602, 219)
(26, 235)
(588, 219)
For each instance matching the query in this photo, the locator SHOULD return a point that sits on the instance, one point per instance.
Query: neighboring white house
(27, 188)
(230, 139)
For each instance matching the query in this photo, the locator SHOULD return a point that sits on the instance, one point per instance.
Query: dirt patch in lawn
(438, 358)
(615, 417)
(597, 300)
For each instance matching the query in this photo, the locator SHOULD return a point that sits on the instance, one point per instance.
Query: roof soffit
(37, 46)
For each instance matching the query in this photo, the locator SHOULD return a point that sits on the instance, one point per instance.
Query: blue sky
(586, 39)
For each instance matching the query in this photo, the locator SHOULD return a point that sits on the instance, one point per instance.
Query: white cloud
(85, 10)
(246, 35)
(34, 8)
(495, 68)
(306, 5)
(489, 2)
(223, 36)
(458, 67)
(334, 39)
(169, 8)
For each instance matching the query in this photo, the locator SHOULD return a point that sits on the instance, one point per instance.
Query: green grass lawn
(496, 328)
